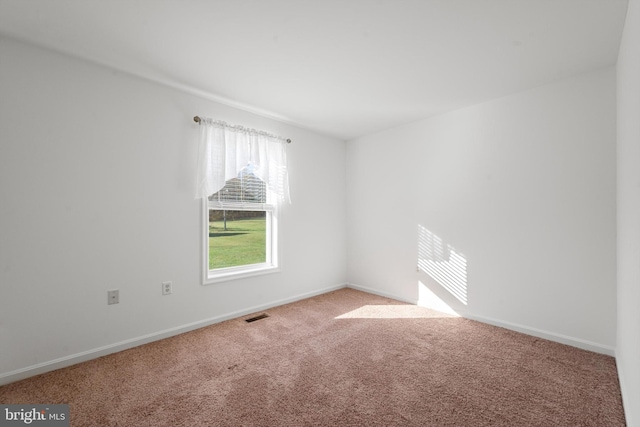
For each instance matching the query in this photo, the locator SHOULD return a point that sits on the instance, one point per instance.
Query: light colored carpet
(343, 358)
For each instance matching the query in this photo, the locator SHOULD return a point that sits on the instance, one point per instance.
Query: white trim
(242, 272)
(551, 336)
(380, 293)
(73, 359)
(625, 401)
(272, 265)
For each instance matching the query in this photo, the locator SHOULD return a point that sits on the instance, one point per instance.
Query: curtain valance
(224, 150)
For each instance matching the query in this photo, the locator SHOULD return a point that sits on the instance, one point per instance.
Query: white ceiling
(343, 68)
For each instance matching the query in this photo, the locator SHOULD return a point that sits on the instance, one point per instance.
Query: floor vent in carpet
(258, 317)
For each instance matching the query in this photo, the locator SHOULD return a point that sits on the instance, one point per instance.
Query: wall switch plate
(167, 288)
(113, 296)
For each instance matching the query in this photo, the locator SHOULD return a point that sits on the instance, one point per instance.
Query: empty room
(265, 213)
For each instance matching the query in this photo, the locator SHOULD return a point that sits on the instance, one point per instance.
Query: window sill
(225, 275)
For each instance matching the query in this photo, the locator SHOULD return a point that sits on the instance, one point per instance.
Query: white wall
(628, 343)
(522, 187)
(96, 192)
(96, 184)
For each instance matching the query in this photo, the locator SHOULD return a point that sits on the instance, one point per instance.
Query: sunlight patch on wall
(393, 312)
(442, 263)
(427, 298)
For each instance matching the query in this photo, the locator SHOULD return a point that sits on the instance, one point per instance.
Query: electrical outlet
(167, 288)
(113, 296)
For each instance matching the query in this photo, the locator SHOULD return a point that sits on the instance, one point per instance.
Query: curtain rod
(197, 119)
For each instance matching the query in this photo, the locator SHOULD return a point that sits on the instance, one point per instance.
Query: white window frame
(272, 264)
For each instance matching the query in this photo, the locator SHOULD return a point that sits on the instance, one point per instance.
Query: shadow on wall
(445, 267)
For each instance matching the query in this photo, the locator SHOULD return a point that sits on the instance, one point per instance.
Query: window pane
(237, 238)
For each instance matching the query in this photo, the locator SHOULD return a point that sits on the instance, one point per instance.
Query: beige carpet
(342, 358)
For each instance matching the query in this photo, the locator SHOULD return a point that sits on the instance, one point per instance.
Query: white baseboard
(551, 336)
(630, 409)
(73, 359)
(381, 293)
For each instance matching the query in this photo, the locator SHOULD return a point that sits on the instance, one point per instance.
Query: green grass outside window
(242, 243)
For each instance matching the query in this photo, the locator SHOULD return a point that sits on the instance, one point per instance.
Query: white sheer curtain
(225, 150)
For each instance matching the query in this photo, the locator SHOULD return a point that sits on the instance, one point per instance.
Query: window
(241, 229)
(242, 179)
